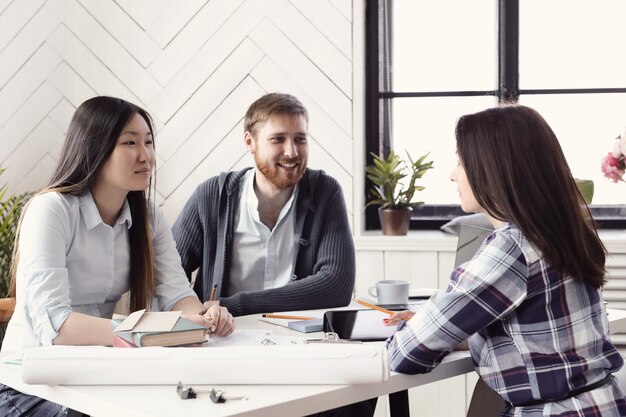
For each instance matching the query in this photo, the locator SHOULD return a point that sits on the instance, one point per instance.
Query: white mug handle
(372, 291)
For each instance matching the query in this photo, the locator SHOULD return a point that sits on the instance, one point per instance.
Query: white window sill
(437, 241)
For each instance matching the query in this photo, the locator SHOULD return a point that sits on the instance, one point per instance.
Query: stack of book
(143, 329)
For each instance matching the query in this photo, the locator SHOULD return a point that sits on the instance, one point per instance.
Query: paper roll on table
(298, 364)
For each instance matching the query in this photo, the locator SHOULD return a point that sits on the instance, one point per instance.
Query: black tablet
(364, 325)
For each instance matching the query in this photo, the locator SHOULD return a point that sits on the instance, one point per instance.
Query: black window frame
(378, 102)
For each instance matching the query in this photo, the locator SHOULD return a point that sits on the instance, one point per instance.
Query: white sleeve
(42, 277)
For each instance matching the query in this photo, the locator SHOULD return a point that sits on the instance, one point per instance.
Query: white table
(263, 400)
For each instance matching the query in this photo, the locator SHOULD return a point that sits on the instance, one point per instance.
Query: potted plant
(10, 208)
(394, 186)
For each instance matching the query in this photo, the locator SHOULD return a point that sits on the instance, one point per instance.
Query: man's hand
(222, 322)
(216, 319)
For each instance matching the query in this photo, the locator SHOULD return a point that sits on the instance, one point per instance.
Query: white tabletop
(263, 400)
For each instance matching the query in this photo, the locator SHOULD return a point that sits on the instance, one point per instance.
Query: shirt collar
(92, 217)
(253, 202)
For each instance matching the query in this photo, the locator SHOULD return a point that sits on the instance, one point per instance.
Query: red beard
(280, 178)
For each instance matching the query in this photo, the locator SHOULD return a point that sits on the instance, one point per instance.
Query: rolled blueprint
(290, 364)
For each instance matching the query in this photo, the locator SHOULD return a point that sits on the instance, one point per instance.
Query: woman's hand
(396, 318)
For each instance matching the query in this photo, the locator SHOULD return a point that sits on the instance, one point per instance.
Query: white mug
(390, 291)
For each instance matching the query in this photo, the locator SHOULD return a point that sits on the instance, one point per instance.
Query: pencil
(213, 291)
(375, 307)
(211, 298)
(282, 316)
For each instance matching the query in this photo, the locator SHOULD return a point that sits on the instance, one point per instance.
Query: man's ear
(249, 142)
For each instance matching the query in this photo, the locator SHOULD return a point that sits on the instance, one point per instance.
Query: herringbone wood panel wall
(195, 65)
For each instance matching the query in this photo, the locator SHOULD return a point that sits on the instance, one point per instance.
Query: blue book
(306, 326)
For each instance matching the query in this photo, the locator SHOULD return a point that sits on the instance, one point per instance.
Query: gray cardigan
(324, 260)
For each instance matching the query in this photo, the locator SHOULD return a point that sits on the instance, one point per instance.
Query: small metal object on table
(218, 396)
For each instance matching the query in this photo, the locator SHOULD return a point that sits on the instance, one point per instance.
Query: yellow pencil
(282, 316)
(375, 307)
(211, 298)
(213, 293)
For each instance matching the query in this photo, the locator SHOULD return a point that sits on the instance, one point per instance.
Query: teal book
(184, 332)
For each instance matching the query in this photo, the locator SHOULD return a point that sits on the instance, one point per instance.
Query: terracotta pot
(395, 222)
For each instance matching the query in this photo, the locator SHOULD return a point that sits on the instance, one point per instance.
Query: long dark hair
(91, 137)
(518, 173)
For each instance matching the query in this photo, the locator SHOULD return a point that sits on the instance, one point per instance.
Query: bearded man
(274, 237)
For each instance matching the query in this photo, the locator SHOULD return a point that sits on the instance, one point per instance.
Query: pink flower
(614, 163)
(613, 167)
(619, 147)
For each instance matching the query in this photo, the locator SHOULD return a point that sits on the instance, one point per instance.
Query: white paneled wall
(615, 288)
(195, 65)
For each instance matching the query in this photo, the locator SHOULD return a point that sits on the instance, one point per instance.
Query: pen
(375, 307)
(213, 293)
(282, 316)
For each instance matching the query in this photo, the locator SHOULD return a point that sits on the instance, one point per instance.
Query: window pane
(572, 44)
(422, 125)
(444, 45)
(586, 126)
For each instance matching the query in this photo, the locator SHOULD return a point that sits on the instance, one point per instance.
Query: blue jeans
(17, 404)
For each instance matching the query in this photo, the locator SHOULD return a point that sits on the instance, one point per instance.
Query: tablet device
(364, 325)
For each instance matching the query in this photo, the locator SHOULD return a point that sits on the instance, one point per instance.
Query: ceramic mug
(390, 291)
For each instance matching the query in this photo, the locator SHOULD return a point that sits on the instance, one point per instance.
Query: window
(430, 62)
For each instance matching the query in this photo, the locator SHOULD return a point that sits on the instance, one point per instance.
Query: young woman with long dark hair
(90, 236)
(530, 300)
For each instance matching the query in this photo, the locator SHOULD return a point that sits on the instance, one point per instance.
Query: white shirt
(262, 258)
(70, 260)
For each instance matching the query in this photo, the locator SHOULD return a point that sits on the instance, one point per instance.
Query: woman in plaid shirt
(530, 300)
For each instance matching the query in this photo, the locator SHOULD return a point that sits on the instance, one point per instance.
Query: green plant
(586, 189)
(387, 175)
(10, 208)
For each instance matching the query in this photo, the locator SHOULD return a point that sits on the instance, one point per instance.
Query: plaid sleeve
(481, 291)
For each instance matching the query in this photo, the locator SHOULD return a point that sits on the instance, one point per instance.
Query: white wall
(195, 65)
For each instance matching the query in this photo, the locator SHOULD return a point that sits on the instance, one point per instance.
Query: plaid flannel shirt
(534, 334)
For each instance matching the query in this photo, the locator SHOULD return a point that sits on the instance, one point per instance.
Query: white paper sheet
(276, 364)
(254, 337)
(278, 322)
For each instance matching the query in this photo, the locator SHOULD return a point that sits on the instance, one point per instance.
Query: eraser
(306, 326)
